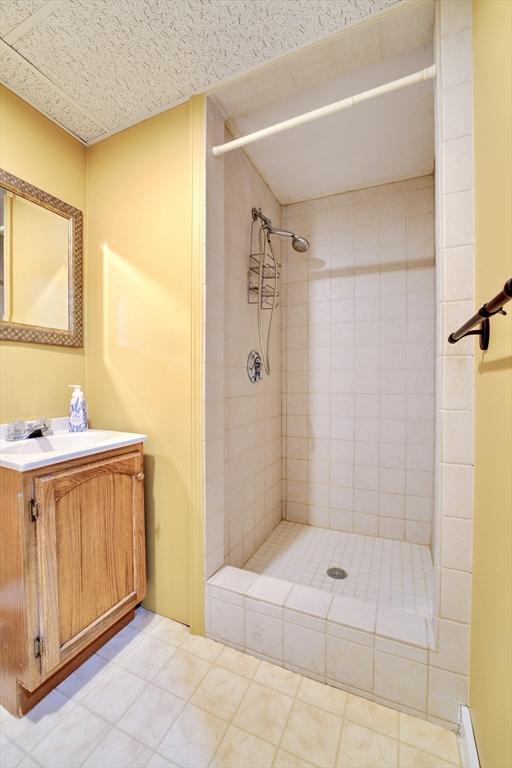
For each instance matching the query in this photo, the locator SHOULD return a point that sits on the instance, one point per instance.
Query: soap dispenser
(77, 410)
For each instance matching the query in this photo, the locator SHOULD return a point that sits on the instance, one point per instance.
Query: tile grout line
(91, 711)
(250, 679)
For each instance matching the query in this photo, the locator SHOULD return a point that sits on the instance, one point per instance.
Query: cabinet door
(90, 544)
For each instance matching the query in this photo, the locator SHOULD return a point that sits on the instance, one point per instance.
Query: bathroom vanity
(72, 561)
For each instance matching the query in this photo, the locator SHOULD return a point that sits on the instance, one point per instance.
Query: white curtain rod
(417, 77)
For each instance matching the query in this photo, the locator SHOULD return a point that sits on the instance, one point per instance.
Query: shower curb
(304, 630)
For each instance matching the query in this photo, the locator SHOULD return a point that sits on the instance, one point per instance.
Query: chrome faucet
(25, 430)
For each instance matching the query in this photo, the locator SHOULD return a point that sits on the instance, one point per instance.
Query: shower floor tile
(384, 571)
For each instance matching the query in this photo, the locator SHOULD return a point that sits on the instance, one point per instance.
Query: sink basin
(61, 446)
(67, 441)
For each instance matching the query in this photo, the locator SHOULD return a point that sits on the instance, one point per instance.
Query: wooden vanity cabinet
(72, 566)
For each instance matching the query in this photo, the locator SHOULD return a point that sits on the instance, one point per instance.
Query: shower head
(299, 244)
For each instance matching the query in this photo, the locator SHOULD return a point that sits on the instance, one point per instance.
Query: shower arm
(268, 226)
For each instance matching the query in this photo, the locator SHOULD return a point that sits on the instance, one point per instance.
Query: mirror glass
(34, 263)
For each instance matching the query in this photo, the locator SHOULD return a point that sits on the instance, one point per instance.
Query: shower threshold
(282, 607)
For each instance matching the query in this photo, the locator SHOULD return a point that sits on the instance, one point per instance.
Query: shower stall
(337, 483)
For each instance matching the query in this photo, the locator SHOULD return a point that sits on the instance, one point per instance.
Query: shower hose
(264, 240)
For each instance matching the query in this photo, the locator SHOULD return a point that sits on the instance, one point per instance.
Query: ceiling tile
(121, 61)
(42, 94)
(15, 12)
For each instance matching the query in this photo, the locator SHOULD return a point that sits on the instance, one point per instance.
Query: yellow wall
(142, 194)
(144, 291)
(491, 635)
(34, 378)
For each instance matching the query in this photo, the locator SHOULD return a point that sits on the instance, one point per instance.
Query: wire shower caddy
(262, 258)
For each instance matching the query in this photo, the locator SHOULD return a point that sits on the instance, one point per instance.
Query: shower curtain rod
(394, 85)
(491, 308)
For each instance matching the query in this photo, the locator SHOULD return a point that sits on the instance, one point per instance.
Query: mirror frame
(35, 334)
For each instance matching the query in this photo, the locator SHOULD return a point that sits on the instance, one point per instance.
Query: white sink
(68, 441)
(61, 446)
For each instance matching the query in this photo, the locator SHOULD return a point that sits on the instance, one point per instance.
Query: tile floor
(393, 573)
(157, 696)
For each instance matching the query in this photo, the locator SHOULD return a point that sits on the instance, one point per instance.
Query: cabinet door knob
(140, 476)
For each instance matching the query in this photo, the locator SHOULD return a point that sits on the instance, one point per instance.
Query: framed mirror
(40, 266)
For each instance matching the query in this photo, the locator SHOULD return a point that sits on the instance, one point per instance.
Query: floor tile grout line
(211, 665)
(98, 744)
(68, 699)
(198, 706)
(236, 725)
(115, 724)
(91, 711)
(22, 749)
(294, 699)
(153, 749)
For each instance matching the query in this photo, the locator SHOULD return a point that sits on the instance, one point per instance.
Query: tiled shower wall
(359, 374)
(252, 435)
(448, 680)
(432, 682)
(213, 351)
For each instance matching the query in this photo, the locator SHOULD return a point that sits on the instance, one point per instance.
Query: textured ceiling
(14, 12)
(97, 66)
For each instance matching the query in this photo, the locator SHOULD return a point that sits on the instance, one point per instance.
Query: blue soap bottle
(77, 410)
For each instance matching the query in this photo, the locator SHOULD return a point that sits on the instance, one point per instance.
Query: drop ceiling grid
(32, 86)
(121, 62)
(13, 13)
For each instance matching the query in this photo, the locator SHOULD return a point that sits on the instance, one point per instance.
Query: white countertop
(63, 445)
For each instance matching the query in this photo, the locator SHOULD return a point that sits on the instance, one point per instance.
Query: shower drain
(337, 573)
